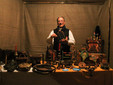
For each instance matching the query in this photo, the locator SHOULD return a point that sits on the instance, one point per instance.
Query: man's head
(60, 21)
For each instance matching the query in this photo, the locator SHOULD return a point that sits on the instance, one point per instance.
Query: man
(61, 37)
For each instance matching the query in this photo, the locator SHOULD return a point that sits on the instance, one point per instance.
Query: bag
(11, 66)
(24, 66)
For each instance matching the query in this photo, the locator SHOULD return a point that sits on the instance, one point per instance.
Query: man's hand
(53, 35)
(64, 40)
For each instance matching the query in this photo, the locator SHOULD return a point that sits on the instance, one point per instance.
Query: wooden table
(99, 77)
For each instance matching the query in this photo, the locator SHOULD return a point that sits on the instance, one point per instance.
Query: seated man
(61, 38)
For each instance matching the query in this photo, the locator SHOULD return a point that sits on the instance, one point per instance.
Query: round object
(76, 69)
(44, 68)
(65, 69)
(84, 54)
(82, 65)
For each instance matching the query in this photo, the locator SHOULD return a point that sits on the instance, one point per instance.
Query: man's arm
(50, 37)
(71, 40)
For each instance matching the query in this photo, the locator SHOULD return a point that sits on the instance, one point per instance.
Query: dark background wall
(11, 12)
(111, 34)
(28, 25)
(41, 19)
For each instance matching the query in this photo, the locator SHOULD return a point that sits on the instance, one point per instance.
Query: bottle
(94, 38)
(16, 53)
(100, 38)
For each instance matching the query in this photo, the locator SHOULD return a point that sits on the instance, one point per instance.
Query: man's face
(61, 22)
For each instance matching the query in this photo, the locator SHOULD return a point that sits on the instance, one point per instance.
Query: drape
(11, 22)
(111, 34)
(40, 19)
(28, 25)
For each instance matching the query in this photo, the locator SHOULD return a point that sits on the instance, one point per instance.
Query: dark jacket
(64, 46)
